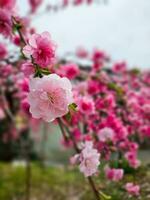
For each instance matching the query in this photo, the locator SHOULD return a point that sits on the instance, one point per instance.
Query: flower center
(50, 97)
(88, 163)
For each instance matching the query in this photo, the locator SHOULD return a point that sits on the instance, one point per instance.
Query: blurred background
(119, 28)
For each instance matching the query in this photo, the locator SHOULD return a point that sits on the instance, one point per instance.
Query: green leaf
(104, 196)
(45, 71)
(115, 87)
(72, 107)
(135, 71)
(68, 116)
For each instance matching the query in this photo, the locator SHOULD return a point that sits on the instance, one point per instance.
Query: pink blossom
(16, 40)
(24, 84)
(106, 134)
(120, 67)
(7, 4)
(132, 189)
(3, 51)
(86, 105)
(69, 70)
(74, 159)
(49, 97)
(93, 87)
(77, 134)
(89, 1)
(131, 157)
(81, 52)
(5, 23)
(65, 3)
(27, 68)
(77, 2)
(89, 159)
(114, 174)
(99, 55)
(25, 105)
(35, 4)
(41, 48)
(6, 70)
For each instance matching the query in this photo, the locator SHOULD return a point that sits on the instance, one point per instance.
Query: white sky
(122, 29)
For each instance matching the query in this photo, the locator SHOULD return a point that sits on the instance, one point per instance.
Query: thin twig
(6, 107)
(62, 129)
(90, 180)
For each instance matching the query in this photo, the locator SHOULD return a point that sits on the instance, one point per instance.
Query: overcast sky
(122, 29)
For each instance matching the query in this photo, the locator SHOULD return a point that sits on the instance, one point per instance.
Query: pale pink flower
(89, 159)
(132, 189)
(69, 70)
(106, 134)
(49, 97)
(27, 68)
(74, 159)
(5, 23)
(81, 52)
(65, 3)
(41, 48)
(3, 51)
(114, 174)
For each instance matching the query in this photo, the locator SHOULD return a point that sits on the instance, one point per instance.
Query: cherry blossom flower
(49, 97)
(106, 134)
(132, 189)
(41, 48)
(35, 4)
(7, 4)
(5, 23)
(27, 68)
(89, 159)
(86, 105)
(114, 174)
(131, 157)
(69, 70)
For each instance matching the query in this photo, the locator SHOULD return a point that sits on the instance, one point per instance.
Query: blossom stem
(92, 184)
(6, 107)
(90, 180)
(18, 26)
(62, 129)
(71, 137)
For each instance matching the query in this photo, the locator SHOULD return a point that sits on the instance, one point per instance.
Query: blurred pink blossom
(132, 189)
(114, 174)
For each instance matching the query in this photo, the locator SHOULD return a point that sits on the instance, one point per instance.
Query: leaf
(45, 71)
(72, 107)
(68, 116)
(104, 196)
(115, 87)
(135, 71)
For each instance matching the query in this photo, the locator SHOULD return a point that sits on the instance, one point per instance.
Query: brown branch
(62, 129)
(90, 180)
